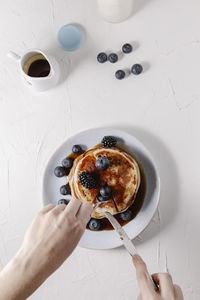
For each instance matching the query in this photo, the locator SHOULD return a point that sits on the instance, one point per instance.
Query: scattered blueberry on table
(127, 48)
(120, 74)
(65, 190)
(102, 57)
(94, 224)
(113, 58)
(136, 69)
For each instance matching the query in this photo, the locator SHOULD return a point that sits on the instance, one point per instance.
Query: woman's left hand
(51, 238)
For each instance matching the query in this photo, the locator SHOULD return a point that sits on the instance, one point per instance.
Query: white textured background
(161, 107)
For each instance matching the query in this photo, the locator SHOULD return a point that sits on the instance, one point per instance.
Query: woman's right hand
(167, 290)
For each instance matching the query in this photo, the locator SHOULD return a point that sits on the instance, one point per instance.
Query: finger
(139, 297)
(84, 212)
(58, 209)
(143, 277)
(166, 287)
(47, 208)
(178, 292)
(73, 206)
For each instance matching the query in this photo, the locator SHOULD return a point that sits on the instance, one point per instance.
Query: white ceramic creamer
(115, 11)
(38, 79)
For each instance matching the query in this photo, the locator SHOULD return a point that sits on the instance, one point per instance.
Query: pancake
(123, 176)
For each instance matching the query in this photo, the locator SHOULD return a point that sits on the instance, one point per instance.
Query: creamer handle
(13, 55)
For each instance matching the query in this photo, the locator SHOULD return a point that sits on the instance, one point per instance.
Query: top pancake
(123, 176)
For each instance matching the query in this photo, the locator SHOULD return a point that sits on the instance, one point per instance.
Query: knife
(128, 244)
(122, 234)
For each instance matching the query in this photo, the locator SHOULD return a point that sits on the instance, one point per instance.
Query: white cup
(37, 83)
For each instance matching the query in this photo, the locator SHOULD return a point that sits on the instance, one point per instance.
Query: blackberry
(109, 141)
(87, 180)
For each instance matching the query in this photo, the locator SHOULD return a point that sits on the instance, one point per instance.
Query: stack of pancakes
(123, 176)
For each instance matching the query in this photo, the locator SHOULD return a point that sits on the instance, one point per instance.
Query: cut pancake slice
(108, 206)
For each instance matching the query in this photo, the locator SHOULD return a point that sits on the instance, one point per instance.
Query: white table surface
(160, 107)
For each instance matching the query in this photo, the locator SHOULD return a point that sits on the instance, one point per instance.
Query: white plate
(90, 138)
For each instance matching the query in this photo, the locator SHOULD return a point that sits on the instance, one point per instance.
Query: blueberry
(67, 162)
(102, 199)
(105, 191)
(126, 215)
(120, 74)
(136, 69)
(65, 190)
(94, 224)
(127, 48)
(102, 57)
(60, 171)
(76, 149)
(102, 163)
(113, 58)
(63, 201)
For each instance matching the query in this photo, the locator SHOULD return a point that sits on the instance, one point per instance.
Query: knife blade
(123, 235)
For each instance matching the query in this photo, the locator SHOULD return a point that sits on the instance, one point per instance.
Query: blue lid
(70, 37)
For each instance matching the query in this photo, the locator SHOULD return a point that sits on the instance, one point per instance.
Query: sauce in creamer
(135, 207)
